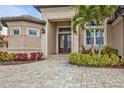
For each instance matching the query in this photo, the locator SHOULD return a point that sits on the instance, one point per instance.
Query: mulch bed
(112, 67)
(19, 62)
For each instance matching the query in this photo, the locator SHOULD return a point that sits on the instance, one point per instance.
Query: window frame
(94, 28)
(35, 29)
(12, 31)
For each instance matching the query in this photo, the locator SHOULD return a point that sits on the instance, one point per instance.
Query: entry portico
(58, 37)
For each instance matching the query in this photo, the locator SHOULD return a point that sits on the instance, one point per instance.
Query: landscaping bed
(108, 59)
(19, 58)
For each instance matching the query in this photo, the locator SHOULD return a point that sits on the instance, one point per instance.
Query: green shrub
(114, 51)
(94, 60)
(5, 57)
(108, 50)
(122, 60)
(75, 58)
(114, 59)
(105, 60)
(85, 59)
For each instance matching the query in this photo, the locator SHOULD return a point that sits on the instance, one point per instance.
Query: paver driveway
(57, 72)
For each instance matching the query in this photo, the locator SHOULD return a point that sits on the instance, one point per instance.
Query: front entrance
(64, 43)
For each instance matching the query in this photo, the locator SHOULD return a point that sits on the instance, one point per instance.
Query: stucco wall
(58, 13)
(24, 42)
(109, 35)
(115, 36)
(51, 38)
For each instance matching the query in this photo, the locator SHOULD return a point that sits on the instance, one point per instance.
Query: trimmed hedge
(95, 60)
(9, 57)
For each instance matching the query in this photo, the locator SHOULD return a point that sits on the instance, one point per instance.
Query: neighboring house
(3, 37)
(3, 33)
(24, 33)
(3, 30)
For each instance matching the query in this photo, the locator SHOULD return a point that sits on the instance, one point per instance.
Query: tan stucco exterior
(53, 35)
(57, 17)
(24, 42)
(115, 35)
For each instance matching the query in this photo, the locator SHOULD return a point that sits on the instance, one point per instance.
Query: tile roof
(23, 18)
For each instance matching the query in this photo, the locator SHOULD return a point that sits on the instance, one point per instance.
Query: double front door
(64, 43)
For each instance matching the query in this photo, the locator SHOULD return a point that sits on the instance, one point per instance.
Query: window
(96, 36)
(15, 31)
(33, 32)
(65, 29)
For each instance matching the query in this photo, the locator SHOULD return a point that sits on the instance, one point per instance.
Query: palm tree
(88, 14)
(102, 12)
(83, 14)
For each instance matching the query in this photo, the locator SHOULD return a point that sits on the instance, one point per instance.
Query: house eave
(119, 12)
(15, 19)
(38, 7)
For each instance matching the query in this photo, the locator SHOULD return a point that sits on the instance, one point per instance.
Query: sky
(16, 10)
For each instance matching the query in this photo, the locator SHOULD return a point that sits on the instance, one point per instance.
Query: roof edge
(22, 18)
(49, 6)
(117, 13)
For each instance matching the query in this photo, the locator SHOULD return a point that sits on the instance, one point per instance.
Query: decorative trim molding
(36, 30)
(24, 49)
(12, 32)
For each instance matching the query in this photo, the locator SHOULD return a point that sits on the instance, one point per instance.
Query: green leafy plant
(94, 60)
(108, 50)
(114, 59)
(114, 51)
(75, 58)
(122, 61)
(6, 57)
(105, 60)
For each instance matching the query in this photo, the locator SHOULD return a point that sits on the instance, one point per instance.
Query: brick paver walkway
(57, 72)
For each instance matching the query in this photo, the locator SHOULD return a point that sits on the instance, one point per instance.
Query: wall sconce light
(43, 30)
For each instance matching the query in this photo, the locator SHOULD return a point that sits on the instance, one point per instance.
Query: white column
(57, 40)
(46, 40)
(43, 41)
(75, 41)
